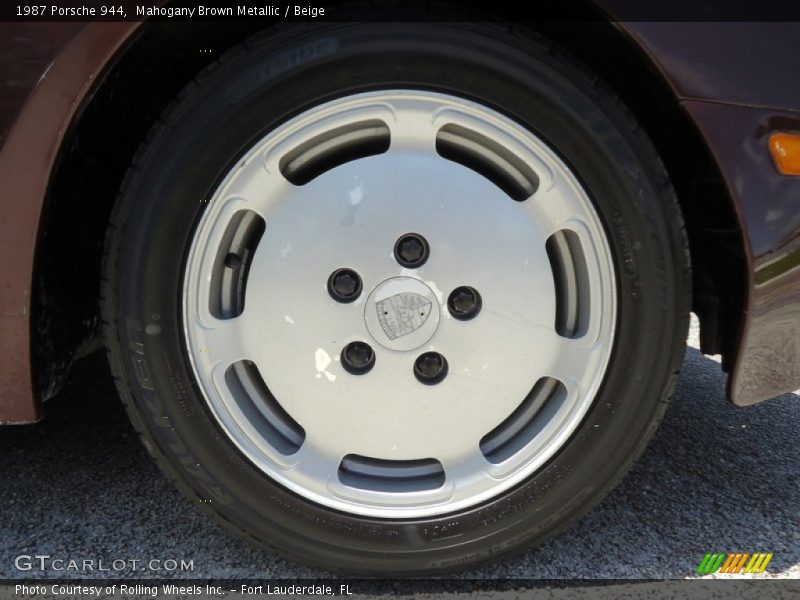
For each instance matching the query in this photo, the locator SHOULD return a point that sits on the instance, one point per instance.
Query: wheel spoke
(225, 341)
(571, 358)
(466, 463)
(318, 463)
(555, 208)
(413, 128)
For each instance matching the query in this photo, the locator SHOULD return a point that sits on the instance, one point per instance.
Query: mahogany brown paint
(739, 83)
(46, 70)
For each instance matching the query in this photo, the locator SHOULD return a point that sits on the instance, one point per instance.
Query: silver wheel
(337, 187)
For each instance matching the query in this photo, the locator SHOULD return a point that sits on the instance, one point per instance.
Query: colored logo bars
(734, 562)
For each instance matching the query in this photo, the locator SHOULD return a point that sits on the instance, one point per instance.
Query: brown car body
(728, 85)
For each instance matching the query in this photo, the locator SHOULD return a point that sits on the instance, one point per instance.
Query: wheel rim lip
(423, 504)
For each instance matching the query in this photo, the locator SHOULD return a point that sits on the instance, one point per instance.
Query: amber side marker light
(785, 150)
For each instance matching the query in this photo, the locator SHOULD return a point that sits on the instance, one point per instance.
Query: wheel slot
(232, 264)
(262, 410)
(334, 148)
(526, 422)
(392, 476)
(488, 158)
(571, 279)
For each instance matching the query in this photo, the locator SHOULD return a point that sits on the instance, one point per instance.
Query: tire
(633, 236)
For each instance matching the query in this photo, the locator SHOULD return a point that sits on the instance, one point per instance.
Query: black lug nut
(358, 358)
(464, 303)
(430, 368)
(411, 250)
(344, 285)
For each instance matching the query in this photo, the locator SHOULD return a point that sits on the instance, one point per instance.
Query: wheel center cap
(402, 313)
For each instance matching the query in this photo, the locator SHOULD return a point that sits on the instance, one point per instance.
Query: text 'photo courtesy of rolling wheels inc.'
(399, 299)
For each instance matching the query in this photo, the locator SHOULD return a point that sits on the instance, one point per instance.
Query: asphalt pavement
(79, 485)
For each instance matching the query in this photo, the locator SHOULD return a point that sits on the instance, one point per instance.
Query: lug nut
(430, 368)
(358, 358)
(464, 303)
(411, 250)
(344, 285)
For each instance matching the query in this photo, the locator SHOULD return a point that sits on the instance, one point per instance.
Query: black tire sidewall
(230, 107)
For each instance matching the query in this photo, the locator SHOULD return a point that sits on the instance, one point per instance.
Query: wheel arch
(716, 241)
(161, 59)
(99, 145)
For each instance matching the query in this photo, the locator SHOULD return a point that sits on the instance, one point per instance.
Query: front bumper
(768, 206)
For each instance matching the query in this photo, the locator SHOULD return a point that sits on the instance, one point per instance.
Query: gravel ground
(715, 478)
